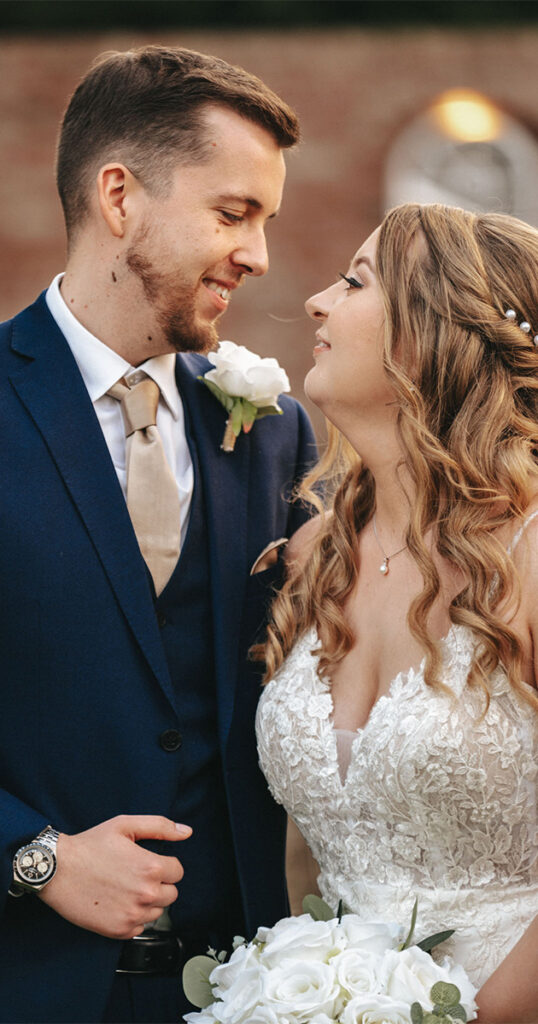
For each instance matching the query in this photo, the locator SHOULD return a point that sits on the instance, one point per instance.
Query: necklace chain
(384, 567)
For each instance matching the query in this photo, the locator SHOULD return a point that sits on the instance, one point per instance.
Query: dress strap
(515, 540)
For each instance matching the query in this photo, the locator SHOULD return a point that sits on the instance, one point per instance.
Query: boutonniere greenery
(246, 385)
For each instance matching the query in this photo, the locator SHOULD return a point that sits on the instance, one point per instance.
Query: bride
(400, 724)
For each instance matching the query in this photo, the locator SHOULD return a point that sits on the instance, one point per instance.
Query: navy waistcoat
(209, 889)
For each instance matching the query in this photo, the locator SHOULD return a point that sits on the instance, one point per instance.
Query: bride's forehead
(368, 248)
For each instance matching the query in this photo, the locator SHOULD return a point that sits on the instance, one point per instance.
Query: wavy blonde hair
(466, 381)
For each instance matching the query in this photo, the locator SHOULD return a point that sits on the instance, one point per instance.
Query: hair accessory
(510, 314)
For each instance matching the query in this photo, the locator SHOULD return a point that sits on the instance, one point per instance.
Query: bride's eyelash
(352, 281)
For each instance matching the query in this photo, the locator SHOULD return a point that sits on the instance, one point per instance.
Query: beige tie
(152, 494)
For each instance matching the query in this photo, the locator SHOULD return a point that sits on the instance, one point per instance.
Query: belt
(153, 952)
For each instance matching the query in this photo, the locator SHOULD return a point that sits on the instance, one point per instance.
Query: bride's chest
(418, 748)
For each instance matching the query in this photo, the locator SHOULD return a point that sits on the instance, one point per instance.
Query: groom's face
(193, 248)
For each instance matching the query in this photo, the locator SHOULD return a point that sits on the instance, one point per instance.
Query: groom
(127, 753)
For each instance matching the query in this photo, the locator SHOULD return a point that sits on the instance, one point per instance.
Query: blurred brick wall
(353, 89)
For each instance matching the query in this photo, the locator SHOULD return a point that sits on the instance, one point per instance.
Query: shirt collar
(99, 365)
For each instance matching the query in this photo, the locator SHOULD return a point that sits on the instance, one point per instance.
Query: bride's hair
(466, 381)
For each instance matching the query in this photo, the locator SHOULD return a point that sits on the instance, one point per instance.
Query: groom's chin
(199, 338)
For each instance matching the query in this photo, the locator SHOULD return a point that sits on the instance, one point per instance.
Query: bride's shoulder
(302, 542)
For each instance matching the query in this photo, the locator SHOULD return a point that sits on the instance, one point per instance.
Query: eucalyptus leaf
(196, 980)
(435, 940)
(407, 942)
(445, 994)
(317, 908)
(457, 1012)
(417, 1013)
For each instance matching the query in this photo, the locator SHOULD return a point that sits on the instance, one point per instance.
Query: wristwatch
(35, 864)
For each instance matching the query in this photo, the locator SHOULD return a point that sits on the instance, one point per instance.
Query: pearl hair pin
(510, 314)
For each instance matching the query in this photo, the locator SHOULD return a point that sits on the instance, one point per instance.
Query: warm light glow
(467, 116)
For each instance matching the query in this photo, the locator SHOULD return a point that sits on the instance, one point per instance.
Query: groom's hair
(145, 108)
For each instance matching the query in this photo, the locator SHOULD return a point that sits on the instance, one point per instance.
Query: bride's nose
(317, 306)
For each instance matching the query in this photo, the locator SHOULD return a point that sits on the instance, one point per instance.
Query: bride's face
(348, 378)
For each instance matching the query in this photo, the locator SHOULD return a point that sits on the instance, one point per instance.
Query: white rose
(302, 938)
(264, 1015)
(300, 990)
(241, 998)
(244, 374)
(224, 975)
(200, 1017)
(376, 1010)
(409, 975)
(373, 936)
(356, 971)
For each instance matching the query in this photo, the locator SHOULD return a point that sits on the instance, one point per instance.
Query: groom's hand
(106, 883)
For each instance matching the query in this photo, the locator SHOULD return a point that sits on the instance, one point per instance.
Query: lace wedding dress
(437, 802)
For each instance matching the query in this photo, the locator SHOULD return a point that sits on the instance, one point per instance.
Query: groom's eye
(232, 218)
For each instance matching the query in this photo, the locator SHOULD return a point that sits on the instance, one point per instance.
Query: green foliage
(317, 908)
(417, 1013)
(446, 1006)
(410, 933)
(196, 980)
(435, 940)
(445, 994)
(242, 412)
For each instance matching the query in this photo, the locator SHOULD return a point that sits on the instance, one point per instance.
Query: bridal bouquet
(321, 969)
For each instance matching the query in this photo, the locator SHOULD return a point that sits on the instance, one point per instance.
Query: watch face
(34, 865)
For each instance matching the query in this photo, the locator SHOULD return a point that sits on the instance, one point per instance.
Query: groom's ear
(117, 192)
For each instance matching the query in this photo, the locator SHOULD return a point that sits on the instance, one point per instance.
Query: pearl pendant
(384, 568)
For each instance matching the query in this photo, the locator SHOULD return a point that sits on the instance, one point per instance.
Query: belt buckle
(153, 952)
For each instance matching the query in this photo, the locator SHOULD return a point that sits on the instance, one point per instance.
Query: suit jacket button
(170, 740)
(161, 618)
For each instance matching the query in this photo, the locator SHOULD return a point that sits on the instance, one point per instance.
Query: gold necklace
(384, 567)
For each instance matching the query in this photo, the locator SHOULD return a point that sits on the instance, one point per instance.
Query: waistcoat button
(170, 740)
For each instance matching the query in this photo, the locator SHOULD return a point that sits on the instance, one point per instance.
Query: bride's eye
(352, 281)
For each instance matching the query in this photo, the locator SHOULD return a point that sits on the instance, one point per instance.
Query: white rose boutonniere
(246, 385)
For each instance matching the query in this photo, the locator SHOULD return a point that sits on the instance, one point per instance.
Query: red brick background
(353, 89)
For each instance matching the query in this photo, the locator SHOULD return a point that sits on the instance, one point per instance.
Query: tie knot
(139, 404)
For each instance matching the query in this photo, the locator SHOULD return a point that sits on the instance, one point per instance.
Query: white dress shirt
(100, 368)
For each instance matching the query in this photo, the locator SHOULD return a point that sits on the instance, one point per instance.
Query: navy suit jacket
(86, 690)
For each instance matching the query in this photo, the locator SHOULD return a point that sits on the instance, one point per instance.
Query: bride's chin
(313, 388)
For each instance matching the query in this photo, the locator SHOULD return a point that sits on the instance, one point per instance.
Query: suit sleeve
(19, 824)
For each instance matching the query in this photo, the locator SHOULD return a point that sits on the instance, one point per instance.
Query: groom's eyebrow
(254, 204)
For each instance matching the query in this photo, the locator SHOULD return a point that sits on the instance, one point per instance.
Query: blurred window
(464, 151)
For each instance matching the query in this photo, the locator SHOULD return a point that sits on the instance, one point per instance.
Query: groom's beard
(173, 302)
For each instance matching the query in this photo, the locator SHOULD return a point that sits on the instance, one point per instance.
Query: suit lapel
(51, 388)
(225, 484)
